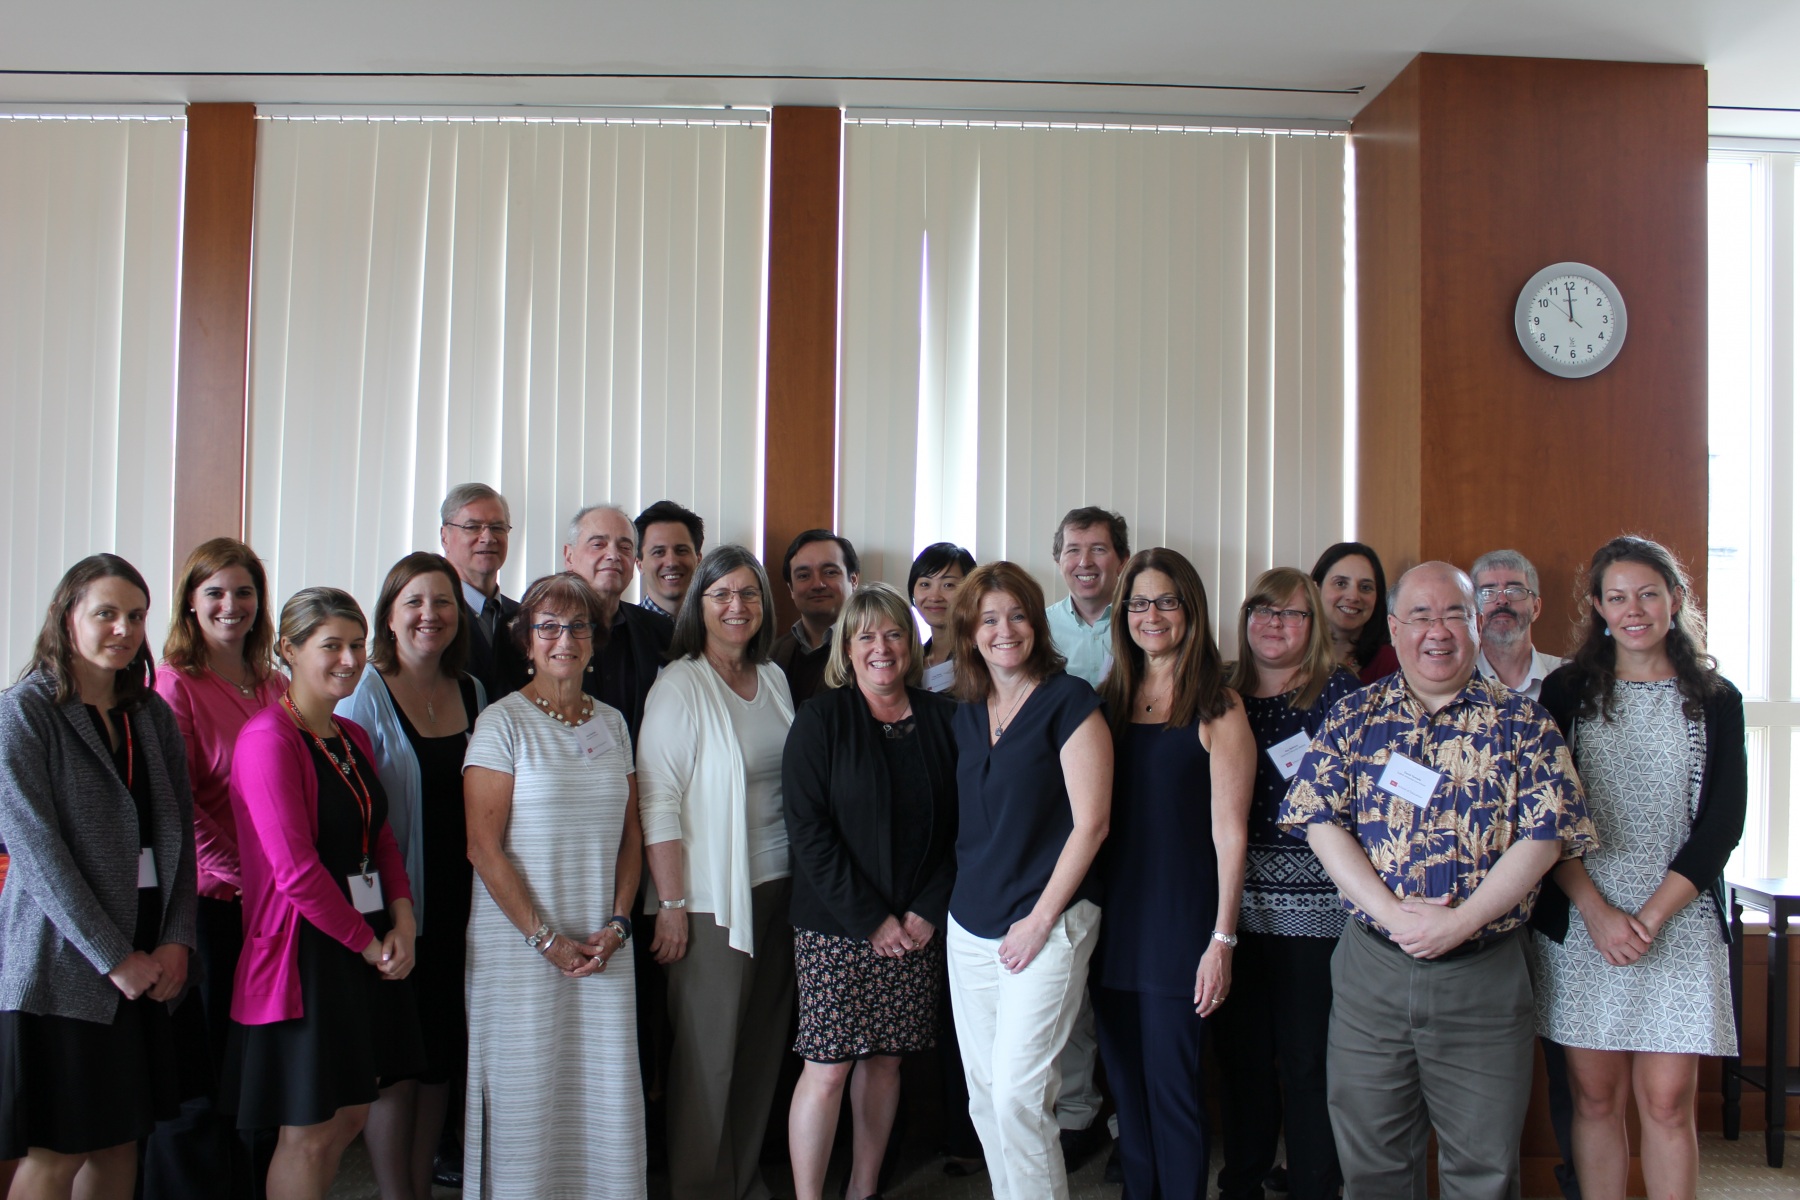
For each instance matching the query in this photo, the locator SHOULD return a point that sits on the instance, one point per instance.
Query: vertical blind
(90, 257)
(570, 311)
(1150, 320)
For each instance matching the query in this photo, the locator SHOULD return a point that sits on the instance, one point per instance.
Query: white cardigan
(691, 789)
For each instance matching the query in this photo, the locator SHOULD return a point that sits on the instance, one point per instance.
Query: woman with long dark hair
(97, 916)
(1183, 766)
(1354, 589)
(1632, 971)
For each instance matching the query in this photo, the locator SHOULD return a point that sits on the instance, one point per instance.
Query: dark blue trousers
(1151, 1048)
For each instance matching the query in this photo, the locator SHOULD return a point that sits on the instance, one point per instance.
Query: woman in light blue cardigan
(418, 706)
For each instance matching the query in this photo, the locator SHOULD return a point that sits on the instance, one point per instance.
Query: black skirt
(359, 1033)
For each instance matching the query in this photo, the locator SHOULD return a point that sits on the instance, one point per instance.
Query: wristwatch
(621, 925)
(1228, 939)
(681, 903)
(539, 938)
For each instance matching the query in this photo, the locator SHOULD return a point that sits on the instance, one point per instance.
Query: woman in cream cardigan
(715, 835)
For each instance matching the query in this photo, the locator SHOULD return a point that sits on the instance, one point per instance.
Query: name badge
(146, 867)
(365, 892)
(593, 738)
(1287, 753)
(940, 677)
(1412, 782)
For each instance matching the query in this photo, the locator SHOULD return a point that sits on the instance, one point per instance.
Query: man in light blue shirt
(1091, 546)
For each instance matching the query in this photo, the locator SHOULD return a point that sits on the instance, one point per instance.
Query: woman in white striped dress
(555, 1104)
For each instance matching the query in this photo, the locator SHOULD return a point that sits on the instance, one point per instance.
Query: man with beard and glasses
(1506, 589)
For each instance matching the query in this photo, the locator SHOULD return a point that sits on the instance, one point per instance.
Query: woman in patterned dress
(869, 780)
(555, 1107)
(1634, 981)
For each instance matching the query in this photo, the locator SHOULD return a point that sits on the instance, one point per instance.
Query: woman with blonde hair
(1271, 1033)
(869, 785)
(1183, 762)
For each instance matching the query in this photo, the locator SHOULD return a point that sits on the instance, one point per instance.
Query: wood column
(800, 422)
(212, 392)
(1471, 174)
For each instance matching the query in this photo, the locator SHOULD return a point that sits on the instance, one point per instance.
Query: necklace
(352, 774)
(587, 710)
(1001, 724)
(248, 693)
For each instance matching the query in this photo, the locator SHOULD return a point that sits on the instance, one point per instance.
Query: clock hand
(1572, 320)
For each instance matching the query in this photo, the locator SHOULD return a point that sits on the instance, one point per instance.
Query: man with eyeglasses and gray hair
(1506, 587)
(1436, 801)
(476, 521)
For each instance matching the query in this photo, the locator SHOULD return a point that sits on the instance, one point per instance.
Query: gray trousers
(731, 1015)
(1417, 1046)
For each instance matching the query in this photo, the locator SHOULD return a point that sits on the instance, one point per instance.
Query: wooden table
(1780, 899)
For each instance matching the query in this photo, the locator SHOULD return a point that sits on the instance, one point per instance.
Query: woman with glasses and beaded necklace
(709, 755)
(1271, 1032)
(419, 706)
(555, 1107)
(1172, 869)
(323, 1017)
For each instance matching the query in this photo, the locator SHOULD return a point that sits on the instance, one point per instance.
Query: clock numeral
(1599, 301)
(1571, 352)
(1537, 320)
(1606, 318)
(1556, 348)
(1543, 303)
(1601, 335)
(1543, 337)
(1590, 347)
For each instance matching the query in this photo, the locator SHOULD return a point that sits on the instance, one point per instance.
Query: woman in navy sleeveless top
(1172, 869)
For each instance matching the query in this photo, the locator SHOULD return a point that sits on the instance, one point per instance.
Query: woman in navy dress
(1173, 869)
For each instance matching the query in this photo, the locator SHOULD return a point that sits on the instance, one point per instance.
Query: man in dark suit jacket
(476, 524)
(602, 549)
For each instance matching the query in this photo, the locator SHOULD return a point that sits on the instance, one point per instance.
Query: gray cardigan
(69, 907)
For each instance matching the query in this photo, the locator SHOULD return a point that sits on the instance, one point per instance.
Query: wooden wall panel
(1521, 163)
(800, 422)
(210, 406)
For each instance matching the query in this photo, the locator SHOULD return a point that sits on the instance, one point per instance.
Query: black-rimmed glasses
(550, 631)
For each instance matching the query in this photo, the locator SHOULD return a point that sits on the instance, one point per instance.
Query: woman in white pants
(1034, 776)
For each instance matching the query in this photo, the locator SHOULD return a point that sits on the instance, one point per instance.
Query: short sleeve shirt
(1503, 775)
(1014, 805)
(1087, 647)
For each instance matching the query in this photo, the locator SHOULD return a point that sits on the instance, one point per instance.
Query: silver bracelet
(1224, 939)
(548, 942)
(681, 903)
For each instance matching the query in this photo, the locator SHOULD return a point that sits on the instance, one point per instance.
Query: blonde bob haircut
(1273, 587)
(871, 606)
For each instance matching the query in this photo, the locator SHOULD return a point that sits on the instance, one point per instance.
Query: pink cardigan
(275, 795)
(210, 713)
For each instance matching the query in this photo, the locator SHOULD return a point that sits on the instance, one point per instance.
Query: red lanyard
(365, 802)
(130, 758)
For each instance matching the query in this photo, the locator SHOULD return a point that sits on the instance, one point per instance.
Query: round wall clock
(1570, 319)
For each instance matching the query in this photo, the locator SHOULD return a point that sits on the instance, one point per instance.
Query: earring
(1607, 631)
(590, 666)
(530, 669)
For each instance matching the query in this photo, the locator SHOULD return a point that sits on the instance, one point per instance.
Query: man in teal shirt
(1091, 546)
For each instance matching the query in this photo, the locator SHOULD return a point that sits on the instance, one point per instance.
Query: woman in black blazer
(869, 781)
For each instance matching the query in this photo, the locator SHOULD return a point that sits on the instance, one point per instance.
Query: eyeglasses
(477, 528)
(748, 595)
(550, 631)
(1263, 614)
(1488, 593)
(1424, 624)
(1143, 603)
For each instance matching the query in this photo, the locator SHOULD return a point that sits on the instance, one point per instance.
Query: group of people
(1371, 860)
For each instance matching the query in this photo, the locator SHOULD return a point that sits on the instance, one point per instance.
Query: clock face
(1570, 320)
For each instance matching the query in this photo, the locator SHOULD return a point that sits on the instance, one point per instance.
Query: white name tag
(593, 738)
(940, 677)
(146, 867)
(1412, 782)
(1287, 753)
(365, 892)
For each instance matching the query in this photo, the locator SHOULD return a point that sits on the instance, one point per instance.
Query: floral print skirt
(854, 1003)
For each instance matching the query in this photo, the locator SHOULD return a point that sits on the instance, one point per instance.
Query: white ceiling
(1284, 59)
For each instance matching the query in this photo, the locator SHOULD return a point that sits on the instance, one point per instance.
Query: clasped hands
(160, 974)
(897, 936)
(1621, 937)
(579, 960)
(392, 956)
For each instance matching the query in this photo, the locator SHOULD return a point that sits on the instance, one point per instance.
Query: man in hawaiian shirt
(1437, 801)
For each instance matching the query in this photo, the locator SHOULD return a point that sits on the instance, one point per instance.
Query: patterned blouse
(1503, 775)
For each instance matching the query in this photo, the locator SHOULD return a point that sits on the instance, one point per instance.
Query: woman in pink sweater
(324, 1017)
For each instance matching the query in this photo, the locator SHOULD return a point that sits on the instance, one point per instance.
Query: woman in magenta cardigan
(322, 1018)
(217, 673)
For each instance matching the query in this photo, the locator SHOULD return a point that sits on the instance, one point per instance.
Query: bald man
(1437, 801)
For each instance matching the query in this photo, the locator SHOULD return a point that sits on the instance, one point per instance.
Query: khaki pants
(731, 1017)
(1417, 1046)
(1012, 1028)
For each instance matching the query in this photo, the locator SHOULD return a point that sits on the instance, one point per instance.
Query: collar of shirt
(1066, 606)
(650, 603)
(1541, 666)
(806, 645)
(476, 600)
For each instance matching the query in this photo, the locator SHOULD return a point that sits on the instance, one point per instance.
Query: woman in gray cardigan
(97, 916)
